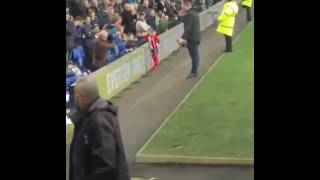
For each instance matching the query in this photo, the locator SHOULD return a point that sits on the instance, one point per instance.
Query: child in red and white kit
(154, 41)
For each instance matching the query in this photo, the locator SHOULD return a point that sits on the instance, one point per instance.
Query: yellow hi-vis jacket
(247, 3)
(227, 18)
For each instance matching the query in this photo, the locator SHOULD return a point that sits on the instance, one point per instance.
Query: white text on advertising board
(124, 74)
(118, 77)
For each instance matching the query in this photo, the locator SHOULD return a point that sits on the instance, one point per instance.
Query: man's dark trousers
(228, 43)
(193, 48)
(248, 13)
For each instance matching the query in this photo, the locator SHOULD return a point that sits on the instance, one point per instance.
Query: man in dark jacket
(88, 36)
(191, 36)
(144, 7)
(164, 6)
(78, 32)
(151, 19)
(77, 8)
(129, 19)
(70, 28)
(161, 6)
(97, 152)
(104, 16)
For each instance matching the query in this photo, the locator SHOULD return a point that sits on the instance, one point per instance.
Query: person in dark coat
(97, 151)
(129, 19)
(151, 19)
(93, 18)
(197, 5)
(77, 8)
(78, 32)
(170, 11)
(161, 6)
(118, 7)
(70, 29)
(105, 15)
(164, 6)
(191, 36)
(144, 7)
(178, 5)
(88, 39)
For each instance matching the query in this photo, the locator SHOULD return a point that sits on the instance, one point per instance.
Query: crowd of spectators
(100, 31)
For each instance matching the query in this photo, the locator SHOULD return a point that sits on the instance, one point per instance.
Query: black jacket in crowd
(70, 28)
(191, 26)
(77, 8)
(87, 32)
(129, 22)
(151, 21)
(160, 7)
(166, 6)
(97, 152)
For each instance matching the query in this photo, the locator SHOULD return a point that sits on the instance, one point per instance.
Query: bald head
(86, 90)
(103, 35)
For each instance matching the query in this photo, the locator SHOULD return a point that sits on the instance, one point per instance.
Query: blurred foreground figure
(97, 151)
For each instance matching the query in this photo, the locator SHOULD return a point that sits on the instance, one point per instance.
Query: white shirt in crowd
(142, 26)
